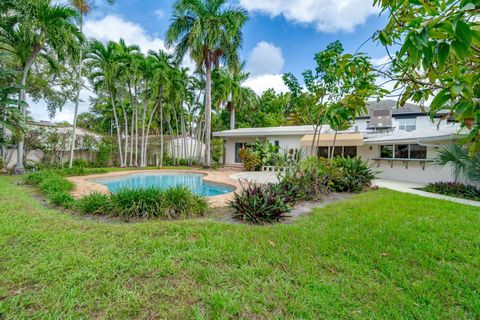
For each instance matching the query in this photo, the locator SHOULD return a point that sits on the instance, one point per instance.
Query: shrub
(63, 199)
(56, 184)
(102, 158)
(454, 189)
(355, 174)
(180, 202)
(172, 203)
(94, 203)
(140, 203)
(80, 163)
(251, 161)
(259, 204)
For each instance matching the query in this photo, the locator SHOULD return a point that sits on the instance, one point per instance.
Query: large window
(325, 152)
(403, 151)
(408, 124)
(386, 152)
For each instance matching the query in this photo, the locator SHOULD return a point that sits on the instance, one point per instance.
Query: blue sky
(280, 36)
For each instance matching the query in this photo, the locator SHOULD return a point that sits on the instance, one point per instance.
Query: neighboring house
(399, 143)
(44, 136)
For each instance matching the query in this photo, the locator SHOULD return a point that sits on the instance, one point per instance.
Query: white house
(399, 143)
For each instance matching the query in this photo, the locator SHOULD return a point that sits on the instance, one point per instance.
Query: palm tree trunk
(232, 117)
(333, 146)
(135, 161)
(146, 138)
(184, 138)
(208, 113)
(160, 92)
(22, 96)
(77, 99)
(125, 119)
(119, 139)
(142, 142)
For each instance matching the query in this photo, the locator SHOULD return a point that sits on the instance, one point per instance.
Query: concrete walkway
(255, 176)
(412, 188)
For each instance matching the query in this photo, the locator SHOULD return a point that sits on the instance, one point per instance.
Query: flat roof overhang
(326, 140)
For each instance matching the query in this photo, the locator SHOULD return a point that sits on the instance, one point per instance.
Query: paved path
(412, 188)
(255, 176)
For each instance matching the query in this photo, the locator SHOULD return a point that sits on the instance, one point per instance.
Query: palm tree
(210, 32)
(103, 60)
(83, 7)
(161, 65)
(461, 161)
(33, 29)
(228, 88)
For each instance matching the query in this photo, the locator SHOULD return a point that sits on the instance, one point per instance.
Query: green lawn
(380, 254)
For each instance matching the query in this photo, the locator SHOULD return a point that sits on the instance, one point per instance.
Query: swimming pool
(164, 181)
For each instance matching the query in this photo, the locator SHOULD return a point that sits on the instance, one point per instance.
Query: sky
(280, 36)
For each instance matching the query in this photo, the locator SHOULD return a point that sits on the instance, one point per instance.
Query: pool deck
(84, 184)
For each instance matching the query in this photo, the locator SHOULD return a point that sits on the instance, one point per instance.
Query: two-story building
(400, 143)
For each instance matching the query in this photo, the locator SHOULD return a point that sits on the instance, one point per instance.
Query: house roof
(408, 108)
(271, 131)
(447, 132)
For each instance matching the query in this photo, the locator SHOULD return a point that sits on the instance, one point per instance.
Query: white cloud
(112, 28)
(265, 58)
(262, 83)
(160, 13)
(325, 15)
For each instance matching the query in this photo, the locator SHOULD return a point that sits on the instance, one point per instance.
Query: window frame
(394, 151)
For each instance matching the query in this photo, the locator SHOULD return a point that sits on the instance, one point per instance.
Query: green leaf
(461, 49)
(440, 99)
(468, 6)
(456, 89)
(463, 32)
(443, 50)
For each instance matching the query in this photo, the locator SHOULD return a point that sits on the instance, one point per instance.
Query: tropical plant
(454, 189)
(259, 204)
(462, 162)
(437, 56)
(355, 174)
(251, 161)
(33, 29)
(210, 32)
(83, 7)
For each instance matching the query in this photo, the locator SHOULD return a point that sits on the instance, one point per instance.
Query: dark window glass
(277, 143)
(386, 152)
(418, 152)
(238, 146)
(350, 152)
(322, 152)
(401, 151)
(337, 152)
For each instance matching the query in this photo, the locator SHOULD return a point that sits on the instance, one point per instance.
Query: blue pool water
(163, 181)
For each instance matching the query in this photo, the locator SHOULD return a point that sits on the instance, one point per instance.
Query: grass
(380, 254)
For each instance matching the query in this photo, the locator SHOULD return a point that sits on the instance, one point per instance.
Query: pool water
(164, 181)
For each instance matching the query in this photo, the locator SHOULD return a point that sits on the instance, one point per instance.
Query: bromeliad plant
(260, 204)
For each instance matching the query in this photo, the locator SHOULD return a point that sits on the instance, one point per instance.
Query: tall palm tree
(228, 88)
(162, 65)
(104, 61)
(33, 29)
(210, 32)
(83, 7)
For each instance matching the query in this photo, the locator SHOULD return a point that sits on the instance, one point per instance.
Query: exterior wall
(414, 172)
(285, 143)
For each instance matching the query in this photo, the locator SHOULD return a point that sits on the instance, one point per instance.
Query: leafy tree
(30, 29)
(210, 32)
(336, 91)
(438, 57)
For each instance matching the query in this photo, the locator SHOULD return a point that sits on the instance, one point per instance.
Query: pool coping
(84, 185)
